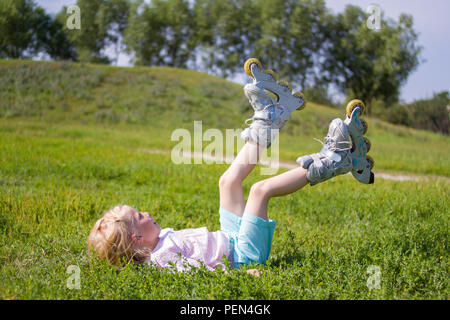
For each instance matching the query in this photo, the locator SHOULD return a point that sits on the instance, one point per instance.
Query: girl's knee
(223, 180)
(229, 179)
(260, 189)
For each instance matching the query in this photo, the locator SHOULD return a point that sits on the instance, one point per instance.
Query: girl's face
(146, 230)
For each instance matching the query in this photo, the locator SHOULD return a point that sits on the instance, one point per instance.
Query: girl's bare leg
(230, 183)
(280, 185)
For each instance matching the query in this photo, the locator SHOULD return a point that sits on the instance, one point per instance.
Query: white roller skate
(357, 127)
(344, 150)
(270, 116)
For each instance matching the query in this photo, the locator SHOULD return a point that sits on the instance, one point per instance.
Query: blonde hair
(111, 238)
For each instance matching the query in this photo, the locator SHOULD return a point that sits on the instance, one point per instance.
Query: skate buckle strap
(330, 154)
(264, 115)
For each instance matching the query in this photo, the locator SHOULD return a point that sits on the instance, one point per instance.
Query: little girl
(125, 234)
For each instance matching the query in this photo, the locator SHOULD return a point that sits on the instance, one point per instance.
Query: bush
(431, 114)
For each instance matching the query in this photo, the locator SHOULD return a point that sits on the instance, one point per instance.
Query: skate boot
(344, 150)
(270, 116)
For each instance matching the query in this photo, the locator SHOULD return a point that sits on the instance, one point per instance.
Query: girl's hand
(254, 272)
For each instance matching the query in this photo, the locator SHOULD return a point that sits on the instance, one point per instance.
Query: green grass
(74, 141)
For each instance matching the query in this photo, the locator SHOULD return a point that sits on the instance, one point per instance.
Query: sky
(430, 21)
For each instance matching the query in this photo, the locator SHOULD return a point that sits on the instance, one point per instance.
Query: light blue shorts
(250, 237)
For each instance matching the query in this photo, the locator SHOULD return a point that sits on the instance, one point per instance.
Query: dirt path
(395, 176)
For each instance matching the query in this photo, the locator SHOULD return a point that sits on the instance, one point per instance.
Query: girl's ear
(136, 239)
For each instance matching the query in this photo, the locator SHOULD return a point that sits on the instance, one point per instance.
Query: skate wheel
(301, 95)
(365, 126)
(272, 73)
(248, 63)
(285, 84)
(372, 178)
(370, 161)
(368, 143)
(353, 104)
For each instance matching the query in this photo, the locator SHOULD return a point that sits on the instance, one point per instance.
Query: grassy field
(74, 141)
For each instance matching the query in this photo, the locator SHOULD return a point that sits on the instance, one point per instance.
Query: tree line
(301, 40)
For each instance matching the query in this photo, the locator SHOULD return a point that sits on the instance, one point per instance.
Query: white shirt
(190, 247)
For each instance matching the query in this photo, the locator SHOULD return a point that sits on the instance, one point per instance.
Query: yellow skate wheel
(371, 162)
(365, 126)
(248, 63)
(300, 94)
(285, 84)
(368, 143)
(353, 104)
(272, 73)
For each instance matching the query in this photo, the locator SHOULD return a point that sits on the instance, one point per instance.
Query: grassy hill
(159, 100)
(74, 141)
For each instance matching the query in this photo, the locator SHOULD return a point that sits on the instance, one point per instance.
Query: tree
(102, 24)
(26, 30)
(90, 39)
(159, 33)
(292, 36)
(285, 35)
(54, 41)
(370, 64)
(114, 15)
(234, 33)
(205, 14)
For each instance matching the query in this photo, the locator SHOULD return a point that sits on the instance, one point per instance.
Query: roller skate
(270, 115)
(344, 150)
(362, 163)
